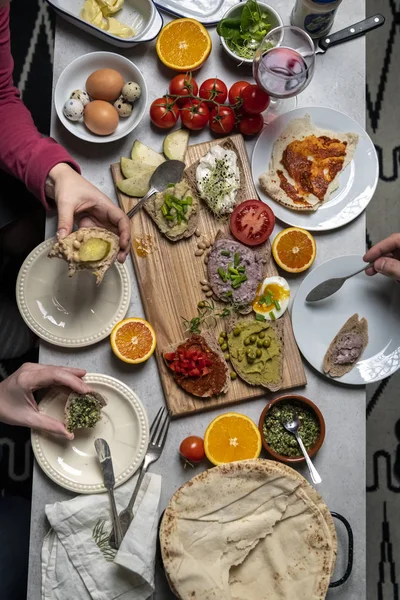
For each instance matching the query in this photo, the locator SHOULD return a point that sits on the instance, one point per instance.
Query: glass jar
(314, 16)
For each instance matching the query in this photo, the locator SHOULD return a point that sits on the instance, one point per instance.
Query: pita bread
(299, 129)
(352, 325)
(253, 529)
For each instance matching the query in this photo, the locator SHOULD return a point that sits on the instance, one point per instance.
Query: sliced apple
(136, 186)
(146, 155)
(130, 168)
(175, 144)
(94, 249)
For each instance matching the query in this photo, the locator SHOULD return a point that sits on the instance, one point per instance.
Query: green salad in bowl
(244, 26)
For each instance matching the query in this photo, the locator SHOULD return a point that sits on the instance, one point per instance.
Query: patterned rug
(32, 46)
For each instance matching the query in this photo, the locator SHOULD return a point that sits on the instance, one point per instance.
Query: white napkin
(78, 562)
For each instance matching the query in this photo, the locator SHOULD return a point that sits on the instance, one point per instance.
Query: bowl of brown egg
(100, 97)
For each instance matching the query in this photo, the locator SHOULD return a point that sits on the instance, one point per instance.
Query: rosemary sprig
(205, 310)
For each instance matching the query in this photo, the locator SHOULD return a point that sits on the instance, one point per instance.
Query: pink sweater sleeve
(24, 152)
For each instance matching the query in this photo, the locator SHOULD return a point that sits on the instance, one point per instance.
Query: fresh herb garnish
(245, 33)
(205, 310)
(260, 317)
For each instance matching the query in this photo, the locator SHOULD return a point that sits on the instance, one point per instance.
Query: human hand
(386, 257)
(17, 404)
(77, 199)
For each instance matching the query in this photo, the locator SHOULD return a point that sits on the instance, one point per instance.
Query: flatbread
(252, 529)
(353, 324)
(299, 129)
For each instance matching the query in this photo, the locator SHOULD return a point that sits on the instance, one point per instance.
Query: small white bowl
(142, 15)
(74, 77)
(235, 11)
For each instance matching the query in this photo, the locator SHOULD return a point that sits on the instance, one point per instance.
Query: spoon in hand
(293, 427)
(330, 286)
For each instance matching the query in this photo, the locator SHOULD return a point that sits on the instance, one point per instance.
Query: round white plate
(74, 464)
(74, 77)
(70, 311)
(377, 298)
(357, 182)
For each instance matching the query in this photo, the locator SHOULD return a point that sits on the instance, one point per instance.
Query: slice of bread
(352, 325)
(212, 343)
(73, 398)
(278, 328)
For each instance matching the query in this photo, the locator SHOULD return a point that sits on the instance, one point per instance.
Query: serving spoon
(331, 286)
(293, 427)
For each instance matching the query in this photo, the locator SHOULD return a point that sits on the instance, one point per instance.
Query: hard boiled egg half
(272, 298)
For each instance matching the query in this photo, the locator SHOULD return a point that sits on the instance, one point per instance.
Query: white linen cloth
(78, 562)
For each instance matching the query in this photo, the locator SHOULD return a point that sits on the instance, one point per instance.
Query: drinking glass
(283, 67)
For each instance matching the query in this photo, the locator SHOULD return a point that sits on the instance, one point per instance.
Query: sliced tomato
(252, 222)
(169, 355)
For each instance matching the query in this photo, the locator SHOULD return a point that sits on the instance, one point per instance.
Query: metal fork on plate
(158, 435)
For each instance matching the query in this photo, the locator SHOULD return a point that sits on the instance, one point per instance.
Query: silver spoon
(330, 286)
(293, 427)
(170, 171)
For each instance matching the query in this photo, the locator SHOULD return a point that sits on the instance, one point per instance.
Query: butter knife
(104, 454)
(331, 286)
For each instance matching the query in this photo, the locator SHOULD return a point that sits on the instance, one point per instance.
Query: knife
(104, 454)
(349, 33)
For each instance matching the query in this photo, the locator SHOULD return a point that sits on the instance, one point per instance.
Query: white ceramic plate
(74, 464)
(74, 77)
(70, 311)
(377, 298)
(208, 12)
(357, 182)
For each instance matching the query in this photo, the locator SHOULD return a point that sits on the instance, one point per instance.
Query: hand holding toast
(386, 257)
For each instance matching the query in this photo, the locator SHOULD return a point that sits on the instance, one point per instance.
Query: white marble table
(339, 82)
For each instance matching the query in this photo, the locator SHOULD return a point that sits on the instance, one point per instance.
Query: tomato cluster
(188, 363)
(198, 107)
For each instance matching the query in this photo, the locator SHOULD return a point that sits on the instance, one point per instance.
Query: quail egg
(131, 91)
(124, 108)
(272, 298)
(73, 109)
(81, 95)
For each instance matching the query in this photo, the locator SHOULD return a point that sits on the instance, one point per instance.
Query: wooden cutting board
(169, 277)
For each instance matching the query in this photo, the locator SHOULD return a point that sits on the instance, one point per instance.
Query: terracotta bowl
(314, 449)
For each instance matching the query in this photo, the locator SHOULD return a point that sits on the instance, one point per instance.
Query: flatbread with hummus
(252, 529)
(306, 163)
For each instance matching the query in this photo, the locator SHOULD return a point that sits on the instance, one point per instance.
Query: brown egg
(100, 117)
(105, 84)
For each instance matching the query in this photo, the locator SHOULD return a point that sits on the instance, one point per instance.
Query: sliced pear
(94, 249)
(130, 168)
(175, 144)
(136, 186)
(146, 155)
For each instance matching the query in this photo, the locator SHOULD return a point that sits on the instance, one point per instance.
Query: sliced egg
(272, 298)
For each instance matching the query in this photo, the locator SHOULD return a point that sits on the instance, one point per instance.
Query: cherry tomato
(255, 100)
(213, 89)
(222, 119)
(183, 85)
(195, 114)
(252, 222)
(235, 91)
(192, 449)
(164, 112)
(251, 124)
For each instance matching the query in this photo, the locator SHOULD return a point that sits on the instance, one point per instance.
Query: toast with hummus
(204, 373)
(218, 177)
(306, 163)
(347, 347)
(92, 248)
(256, 351)
(175, 211)
(83, 411)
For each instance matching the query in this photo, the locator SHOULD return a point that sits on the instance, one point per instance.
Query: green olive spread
(257, 350)
(280, 440)
(84, 411)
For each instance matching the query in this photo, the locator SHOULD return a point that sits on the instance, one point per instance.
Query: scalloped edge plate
(25, 299)
(54, 455)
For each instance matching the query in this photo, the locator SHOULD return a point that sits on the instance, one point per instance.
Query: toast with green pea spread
(256, 351)
(83, 411)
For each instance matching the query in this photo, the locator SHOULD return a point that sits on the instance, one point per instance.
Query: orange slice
(294, 249)
(230, 437)
(133, 340)
(183, 45)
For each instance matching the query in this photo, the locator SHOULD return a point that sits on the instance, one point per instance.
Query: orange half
(183, 45)
(230, 437)
(294, 249)
(133, 340)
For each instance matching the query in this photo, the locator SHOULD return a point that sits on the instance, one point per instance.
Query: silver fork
(158, 435)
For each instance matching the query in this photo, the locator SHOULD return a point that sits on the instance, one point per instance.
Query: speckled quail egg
(131, 91)
(124, 108)
(81, 95)
(73, 109)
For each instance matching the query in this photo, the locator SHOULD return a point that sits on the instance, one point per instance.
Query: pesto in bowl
(281, 441)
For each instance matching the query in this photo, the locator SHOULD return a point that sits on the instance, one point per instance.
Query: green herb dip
(84, 412)
(280, 440)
